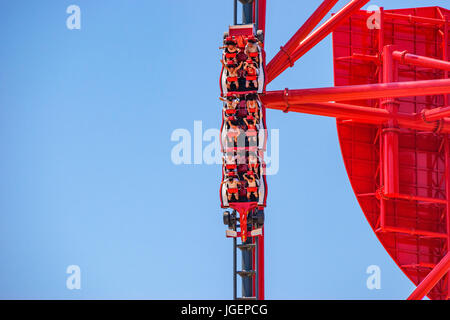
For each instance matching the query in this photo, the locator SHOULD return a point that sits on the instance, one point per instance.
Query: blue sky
(87, 179)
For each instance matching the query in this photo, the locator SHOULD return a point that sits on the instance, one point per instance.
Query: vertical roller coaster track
(391, 104)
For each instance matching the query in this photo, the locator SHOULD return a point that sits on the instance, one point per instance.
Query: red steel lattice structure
(391, 102)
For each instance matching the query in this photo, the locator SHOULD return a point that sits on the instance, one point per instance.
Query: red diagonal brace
(431, 279)
(284, 55)
(280, 64)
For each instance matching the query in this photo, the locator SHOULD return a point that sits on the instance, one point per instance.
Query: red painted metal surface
(261, 15)
(420, 61)
(400, 173)
(243, 208)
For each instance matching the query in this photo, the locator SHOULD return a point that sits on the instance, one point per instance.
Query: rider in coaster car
(241, 161)
(232, 185)
(251, 74)
(251, 132)
(252, 50)
(230, 107)
(230, 120)
(252, 188)
(233, 133)
(252, 106)
(253, 163)
(230, 162)
(253, 117)
(231, 51)
(232, 76)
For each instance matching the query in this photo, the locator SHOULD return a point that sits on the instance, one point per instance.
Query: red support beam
(361, 57)
(260, 293)
(413, 232)
(447, 194)
(431, 279)
(408, 197)
(436, 114)
(381, 43)
(278, 99)
(254, 11)
(314, 38)
(390, 132)
(283, 56)
(407, 58)
(261, 14)
(445, 58)
(254, 278)
(412, 18)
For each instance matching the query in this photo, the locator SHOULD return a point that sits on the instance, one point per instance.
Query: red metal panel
(412, 219)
